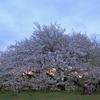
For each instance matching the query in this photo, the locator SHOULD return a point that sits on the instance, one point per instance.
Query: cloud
(17, 17)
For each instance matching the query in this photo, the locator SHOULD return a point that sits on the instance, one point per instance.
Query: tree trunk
(61, 87)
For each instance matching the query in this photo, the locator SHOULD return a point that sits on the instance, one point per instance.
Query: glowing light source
(80, 76)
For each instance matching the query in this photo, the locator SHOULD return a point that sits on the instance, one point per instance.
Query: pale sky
(17, 17)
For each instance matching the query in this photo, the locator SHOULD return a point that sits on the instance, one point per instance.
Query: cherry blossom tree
(51, 60)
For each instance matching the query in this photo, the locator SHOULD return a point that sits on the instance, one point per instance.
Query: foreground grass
(54, 95)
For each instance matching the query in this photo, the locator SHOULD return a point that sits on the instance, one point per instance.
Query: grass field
(54, 95)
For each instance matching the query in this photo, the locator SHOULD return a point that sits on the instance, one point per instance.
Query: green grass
(54, 95)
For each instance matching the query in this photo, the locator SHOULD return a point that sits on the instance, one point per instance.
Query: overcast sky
(17, 17)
